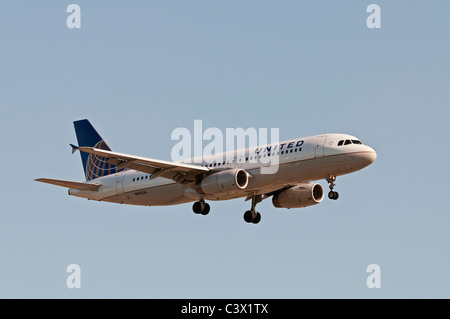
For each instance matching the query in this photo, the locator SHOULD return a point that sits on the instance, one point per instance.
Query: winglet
(74, 148)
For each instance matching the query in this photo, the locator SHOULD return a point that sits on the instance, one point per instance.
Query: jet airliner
(128, 179)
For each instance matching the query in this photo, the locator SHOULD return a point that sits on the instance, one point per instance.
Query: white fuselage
(298, 161)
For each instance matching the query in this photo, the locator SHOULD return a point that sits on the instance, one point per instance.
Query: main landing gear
(252, 216)
(332, 194)
(201, 207)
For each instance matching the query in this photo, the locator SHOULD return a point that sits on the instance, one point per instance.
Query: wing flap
(70, 184)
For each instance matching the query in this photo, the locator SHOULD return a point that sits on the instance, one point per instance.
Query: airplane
(128, 179)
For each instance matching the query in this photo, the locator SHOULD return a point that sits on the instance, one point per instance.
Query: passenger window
(133, 179)
(341, 142)
(347, 142)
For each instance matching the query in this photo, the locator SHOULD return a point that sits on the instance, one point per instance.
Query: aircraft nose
(368, 156)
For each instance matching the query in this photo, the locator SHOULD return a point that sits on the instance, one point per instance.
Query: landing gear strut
(252, 216)
(332, 194)
(201, 207)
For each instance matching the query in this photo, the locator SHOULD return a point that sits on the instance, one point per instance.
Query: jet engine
(301, 195)
(223, 181)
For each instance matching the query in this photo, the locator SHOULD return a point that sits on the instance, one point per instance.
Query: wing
(179, 172)
(70, 184)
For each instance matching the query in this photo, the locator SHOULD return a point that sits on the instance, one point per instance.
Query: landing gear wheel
(200, 207)
(197, 207)
(252, 217)
(257, 218)
(248, 216)
(206, 209)
(333, 195)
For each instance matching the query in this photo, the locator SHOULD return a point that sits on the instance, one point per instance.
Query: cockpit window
(347, 142)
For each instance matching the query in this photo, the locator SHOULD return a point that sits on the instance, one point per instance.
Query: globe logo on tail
(98, 166)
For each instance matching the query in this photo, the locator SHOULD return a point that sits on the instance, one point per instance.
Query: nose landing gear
(332, 194)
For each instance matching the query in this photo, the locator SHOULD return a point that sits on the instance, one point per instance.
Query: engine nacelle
(224, 182)
(302, 195)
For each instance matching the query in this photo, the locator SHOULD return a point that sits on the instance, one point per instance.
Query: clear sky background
(138, 70)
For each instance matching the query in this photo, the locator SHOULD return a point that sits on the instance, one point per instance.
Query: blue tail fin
(94, 166)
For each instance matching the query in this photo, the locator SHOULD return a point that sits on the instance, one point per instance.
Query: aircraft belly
(164, 195)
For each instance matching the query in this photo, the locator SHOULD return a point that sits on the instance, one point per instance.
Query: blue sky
(139, 70)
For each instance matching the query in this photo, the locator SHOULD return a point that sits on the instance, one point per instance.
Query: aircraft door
(320, 146)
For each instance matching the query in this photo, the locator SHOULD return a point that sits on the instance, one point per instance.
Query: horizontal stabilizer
(74, 148)
(69, 184)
